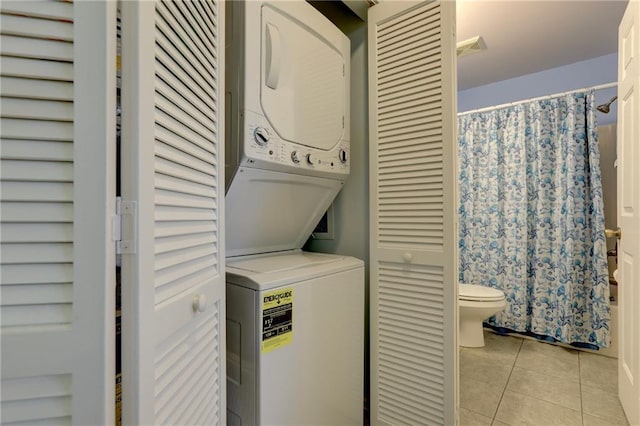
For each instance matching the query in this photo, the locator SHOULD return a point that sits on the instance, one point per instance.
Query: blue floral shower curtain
(531, 216)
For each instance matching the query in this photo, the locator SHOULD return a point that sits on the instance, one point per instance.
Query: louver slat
(175, 24)
(413, 25)
(176, 280)
(174, 227)
(414, 147)
(31, 109)
(178, 144)
(36, 89)
(177, 65)
(416, 16)
(36, 48)
(412, 164)
(413, 59)
(56, 11)
(416, 39)
(167, 127)
(35, 27)
(36, 68)
(49, 151)
(43, 130)
(399, 108)
(409, 93)
(409, 113)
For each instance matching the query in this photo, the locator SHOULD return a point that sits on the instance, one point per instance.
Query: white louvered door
(412, 203)
(173, 315)
(57, 189)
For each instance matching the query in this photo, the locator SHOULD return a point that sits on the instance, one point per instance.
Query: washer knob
(343, 156)
(309, 158)
(294, 157)
(261, 136)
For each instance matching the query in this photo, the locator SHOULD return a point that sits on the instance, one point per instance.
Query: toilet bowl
(476, 303)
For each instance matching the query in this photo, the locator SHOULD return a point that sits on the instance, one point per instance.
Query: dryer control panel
(263, 147)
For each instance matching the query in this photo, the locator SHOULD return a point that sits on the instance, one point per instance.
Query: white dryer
(295, 339)
(287, 109)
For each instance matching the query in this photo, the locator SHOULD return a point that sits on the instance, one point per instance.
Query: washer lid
(279, 262)
(479, 293)
(269, 211)
(270, 270)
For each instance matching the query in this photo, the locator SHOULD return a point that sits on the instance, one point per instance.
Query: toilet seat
(478, 293)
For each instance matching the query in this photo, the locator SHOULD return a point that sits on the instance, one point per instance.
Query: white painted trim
(450, 184)
(93, 352)
(222, 220)
(628, 216)
(137, 154)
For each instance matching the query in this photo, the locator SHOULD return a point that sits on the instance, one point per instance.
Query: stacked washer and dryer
(295, 319)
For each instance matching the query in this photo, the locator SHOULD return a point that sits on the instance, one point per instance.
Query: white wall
(593, 72)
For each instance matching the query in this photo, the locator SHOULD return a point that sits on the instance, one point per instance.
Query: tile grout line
(504, 389)
(580, 381)
(539, 373)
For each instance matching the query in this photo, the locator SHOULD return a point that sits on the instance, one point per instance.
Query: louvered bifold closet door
(57, 258)
(412, 171)
(173, 278)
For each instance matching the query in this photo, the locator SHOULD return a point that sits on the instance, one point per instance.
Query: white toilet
(476, 303)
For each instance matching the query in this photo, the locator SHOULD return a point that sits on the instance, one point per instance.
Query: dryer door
(303, 90)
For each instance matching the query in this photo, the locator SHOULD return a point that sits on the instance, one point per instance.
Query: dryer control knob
(343, 156)
(261, 136)
(294, 157)
(310, 159)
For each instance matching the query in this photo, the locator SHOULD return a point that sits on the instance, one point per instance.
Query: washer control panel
(262, 144)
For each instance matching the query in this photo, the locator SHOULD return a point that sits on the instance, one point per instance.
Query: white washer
(299, 361)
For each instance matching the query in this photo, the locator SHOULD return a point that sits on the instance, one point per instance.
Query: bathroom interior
(513, 379)
(516, 380)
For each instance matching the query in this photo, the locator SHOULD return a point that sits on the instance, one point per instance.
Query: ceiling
(523, 36)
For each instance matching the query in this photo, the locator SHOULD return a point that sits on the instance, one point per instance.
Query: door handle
(199, 303)
(273, 56)
(610, 233)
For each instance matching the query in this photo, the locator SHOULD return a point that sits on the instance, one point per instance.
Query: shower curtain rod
(508, 104)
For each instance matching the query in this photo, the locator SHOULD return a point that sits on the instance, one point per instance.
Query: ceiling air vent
(470, 46)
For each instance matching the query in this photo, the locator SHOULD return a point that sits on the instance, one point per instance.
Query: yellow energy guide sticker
(277, 319)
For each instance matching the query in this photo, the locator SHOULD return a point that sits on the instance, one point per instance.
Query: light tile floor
(514, 381)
